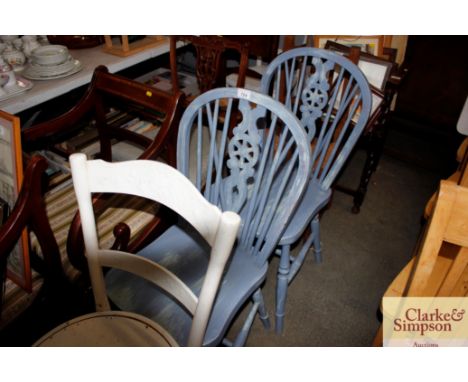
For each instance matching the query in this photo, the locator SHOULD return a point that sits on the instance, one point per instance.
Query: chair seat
(314, 199)
(186, 255)
(108, 329)
(124, 150)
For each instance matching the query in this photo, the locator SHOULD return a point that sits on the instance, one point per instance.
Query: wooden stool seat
(111, 328)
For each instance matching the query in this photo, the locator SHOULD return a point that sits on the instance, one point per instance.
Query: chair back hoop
(331, 97)
(259, 169)
(163, 184)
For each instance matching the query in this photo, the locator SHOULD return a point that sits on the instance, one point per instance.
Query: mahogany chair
(440, 266)
(210, 65)
(116, 119)
(108, 91)
(29, 212)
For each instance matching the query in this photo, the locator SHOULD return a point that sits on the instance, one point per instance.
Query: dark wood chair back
(210, 63)
(104, 91)
(29, 212)
(108, 91)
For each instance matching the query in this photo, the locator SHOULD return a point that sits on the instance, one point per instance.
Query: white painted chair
(164, 184)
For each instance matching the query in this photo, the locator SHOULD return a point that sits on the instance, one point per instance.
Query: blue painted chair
(259, 169)
(332, 99)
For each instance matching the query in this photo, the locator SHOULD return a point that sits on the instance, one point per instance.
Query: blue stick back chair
(332, 99)
(258, 169)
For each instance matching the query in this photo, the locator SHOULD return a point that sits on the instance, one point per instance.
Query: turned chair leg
(282, 287)
(258, 306)
(262, 312)
(317, 245)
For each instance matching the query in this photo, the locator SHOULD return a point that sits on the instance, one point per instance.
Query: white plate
(33, 74)
(22, 85)
(55, 69)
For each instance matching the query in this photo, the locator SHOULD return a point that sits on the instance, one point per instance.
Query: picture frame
(378, 98)
(370, 44)
(11, 177)
(376, 69)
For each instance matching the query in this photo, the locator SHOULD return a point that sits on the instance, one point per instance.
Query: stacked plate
(20, 86)
(49, 62)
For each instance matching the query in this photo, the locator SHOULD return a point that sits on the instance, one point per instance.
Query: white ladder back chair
(163, 184)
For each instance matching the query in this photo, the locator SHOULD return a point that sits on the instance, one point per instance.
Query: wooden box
(121, 46)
